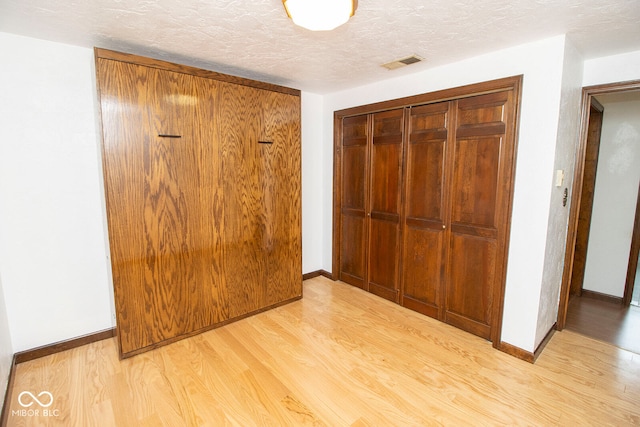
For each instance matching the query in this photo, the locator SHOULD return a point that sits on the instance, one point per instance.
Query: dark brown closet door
(161, 182)
(385, 201)
(478, 208)
(425, 209)
(354, 189)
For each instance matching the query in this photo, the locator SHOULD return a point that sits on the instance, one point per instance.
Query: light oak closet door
(353, 191)
(239, 117)
(385, 201)
(260, 149)
(425, 209)
(163, 201)
(279, 160)
(478, 207)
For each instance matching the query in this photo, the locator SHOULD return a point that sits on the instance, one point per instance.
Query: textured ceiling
(255, 39)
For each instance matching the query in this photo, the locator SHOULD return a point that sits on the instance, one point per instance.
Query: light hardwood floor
(338, 357)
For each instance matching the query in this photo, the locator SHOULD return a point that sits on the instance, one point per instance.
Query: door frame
(588, 92)
(513, 84)
(596, 113)
(633, 256)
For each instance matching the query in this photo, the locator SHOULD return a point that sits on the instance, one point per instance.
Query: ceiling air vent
(402, 62)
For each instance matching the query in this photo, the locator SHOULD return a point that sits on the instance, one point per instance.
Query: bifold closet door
(354, 200)
(426, 209)
(385, 195)
(163, 194)
(481, 161)
(424, 198)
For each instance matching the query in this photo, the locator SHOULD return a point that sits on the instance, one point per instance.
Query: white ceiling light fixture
(320, 15)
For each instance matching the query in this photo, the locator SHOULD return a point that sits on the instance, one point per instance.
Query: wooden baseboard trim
(512, 350)
(544, 342)
(317, 273)
(602, 297)
(46, 350)
(4, 415)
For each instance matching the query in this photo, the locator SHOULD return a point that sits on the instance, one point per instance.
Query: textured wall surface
(567, 140)
(256, 39)
(615, 196)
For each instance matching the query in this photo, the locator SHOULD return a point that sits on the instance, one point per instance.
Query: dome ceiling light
(320, 15)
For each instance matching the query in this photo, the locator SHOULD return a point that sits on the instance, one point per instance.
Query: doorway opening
(585, 276)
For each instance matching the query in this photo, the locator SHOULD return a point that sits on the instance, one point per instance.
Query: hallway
(605, 321)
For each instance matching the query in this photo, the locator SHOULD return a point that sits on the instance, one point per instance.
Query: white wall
(612, 69)
(6, 348)
(567, 142)
(542, 64)
(312, 180)
(615, 197)
(52, 253)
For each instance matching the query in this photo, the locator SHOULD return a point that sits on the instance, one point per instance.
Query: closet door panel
(210, 290)
(386, 196)
(170, 269)
(279, 174)
(240, 127)
(476, 206)
(469, 295)
(165, 283)
(424, 225)
(422, 268)
(475, 181)
(125, 124)
(383, 258)
(355, 157)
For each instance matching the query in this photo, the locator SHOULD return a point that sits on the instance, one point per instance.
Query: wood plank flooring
(338, 357)
(605, 321)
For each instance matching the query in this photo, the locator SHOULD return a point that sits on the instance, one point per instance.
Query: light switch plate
(559, 177)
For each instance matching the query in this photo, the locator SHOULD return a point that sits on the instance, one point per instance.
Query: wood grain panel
(470, 286)
(387, 145)
(204, 220)
(125, 126)
(169, 182)
(353, 262)
(280, 180)
(424, 224)
(422, 270)
(353, 207)
(383, 259)
(475, 181)
(169, 204)
(354, 166)
(240, 128)
(192, 71)
(479, 204)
